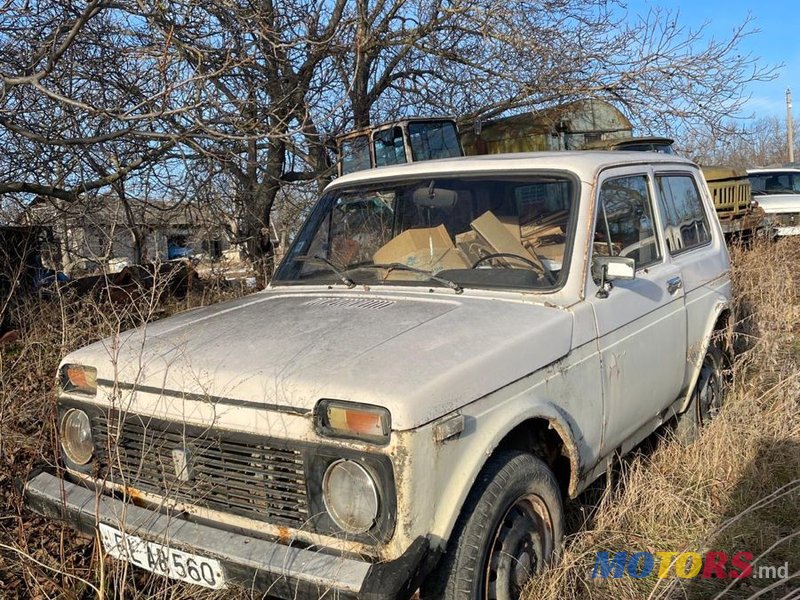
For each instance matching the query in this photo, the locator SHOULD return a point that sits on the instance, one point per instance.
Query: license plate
(161, 559)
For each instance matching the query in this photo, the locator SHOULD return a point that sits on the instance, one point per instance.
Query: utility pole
(789, 124)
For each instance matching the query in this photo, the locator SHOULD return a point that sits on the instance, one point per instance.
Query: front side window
(354, 154)
(625, 224)
(685, 222)
(512, 232)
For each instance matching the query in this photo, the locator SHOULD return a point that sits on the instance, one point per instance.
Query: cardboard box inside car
(430, 249)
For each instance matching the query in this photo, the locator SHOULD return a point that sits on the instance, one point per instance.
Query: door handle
(674, 284)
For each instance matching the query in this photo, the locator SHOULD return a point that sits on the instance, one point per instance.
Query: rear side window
(685, 221)
(625, 225)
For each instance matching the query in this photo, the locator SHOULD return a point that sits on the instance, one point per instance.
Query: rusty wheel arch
(548, 440)
(725, 331)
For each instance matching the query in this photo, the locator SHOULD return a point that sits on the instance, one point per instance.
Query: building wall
(100, 238)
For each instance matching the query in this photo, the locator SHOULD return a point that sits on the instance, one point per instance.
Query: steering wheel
(538, 267)
(530, 263)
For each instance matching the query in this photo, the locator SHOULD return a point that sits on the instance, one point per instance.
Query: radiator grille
(248, 477)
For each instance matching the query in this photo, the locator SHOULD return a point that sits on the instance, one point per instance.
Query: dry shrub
(737, 488)
(40, 558)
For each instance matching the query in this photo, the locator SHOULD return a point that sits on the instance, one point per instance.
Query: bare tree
(77, 81)
(180, 95)
(483, 58)
(758, 143)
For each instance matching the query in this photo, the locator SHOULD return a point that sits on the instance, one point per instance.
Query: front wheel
(510, 528)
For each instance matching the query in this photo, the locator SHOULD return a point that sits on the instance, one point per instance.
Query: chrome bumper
(287, 572)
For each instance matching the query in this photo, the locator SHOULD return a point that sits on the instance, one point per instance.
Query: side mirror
(606, 269)
(609, 268)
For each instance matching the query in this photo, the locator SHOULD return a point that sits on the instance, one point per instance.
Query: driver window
(624, 224)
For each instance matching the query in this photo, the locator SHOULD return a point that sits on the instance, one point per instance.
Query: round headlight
(76, 436)
(350, 496)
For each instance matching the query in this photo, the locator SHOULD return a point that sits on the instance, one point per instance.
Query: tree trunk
(363, 62)
(256, 200)
(137, 235)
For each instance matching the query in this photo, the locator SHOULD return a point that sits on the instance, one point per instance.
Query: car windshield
(777, 182)
(468, 232)
(661, 147)
(433, 139)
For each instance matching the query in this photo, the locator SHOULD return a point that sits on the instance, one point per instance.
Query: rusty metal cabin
(565, 127)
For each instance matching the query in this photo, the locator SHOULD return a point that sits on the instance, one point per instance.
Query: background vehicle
(778, 193)
(397, 143)
(582, 125)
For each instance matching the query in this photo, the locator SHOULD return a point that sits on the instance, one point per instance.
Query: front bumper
(286, 571)
(793, 230)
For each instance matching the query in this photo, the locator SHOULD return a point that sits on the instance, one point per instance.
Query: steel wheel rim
(521, 546)
(709, 399)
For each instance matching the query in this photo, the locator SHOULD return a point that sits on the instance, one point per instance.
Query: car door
(694, 250)
(641, 323)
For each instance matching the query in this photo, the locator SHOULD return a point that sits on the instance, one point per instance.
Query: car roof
(585, 164)
(761, 170)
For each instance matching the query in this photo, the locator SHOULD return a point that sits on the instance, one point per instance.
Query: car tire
(510, 528)
(708, 396)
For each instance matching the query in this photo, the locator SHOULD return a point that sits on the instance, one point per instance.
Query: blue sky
(777, 42)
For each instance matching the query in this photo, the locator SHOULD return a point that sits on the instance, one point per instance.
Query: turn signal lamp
(350, 420)
(79, 379)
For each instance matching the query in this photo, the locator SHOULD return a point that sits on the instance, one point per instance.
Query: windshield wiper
(341, 274)
(403, 267)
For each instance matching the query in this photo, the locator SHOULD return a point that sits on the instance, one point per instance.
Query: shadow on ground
(763, 519)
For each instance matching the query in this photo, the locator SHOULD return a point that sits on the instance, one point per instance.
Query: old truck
(449, 351)
(582, 125)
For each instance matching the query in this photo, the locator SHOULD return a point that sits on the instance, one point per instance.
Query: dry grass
(736, 488)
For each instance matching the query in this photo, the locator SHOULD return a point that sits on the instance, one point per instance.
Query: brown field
(737, 488)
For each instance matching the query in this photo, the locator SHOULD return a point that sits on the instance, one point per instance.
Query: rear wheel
(707, 398)
(510, 528)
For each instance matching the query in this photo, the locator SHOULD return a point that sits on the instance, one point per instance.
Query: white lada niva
(449, 351)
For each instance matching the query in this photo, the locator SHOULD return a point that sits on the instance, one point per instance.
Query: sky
(776, 43)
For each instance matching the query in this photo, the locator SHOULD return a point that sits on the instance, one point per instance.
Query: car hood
(419, 357)
(779, 203)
